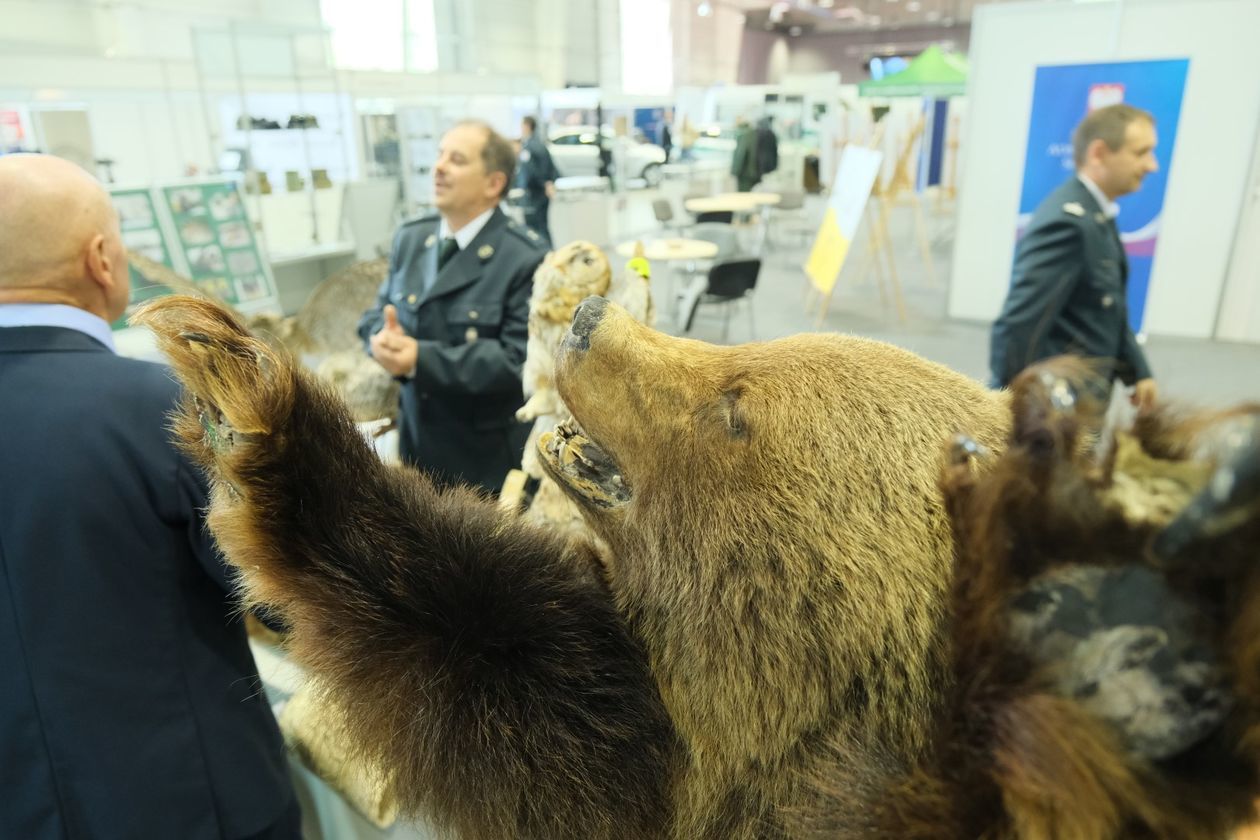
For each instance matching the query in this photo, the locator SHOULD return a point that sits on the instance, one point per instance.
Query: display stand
(288, 129)
(900, 190)
(854, 187)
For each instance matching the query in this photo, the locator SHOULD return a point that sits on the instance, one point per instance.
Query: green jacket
(744, 161)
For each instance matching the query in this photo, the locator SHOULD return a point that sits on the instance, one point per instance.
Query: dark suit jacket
(1068, 292)
(534, 169)
(458, 414)
(130, 706)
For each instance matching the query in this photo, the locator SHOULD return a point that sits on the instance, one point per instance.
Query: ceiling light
(826, 4)
(704, 9)
(874, 20)
(913, 6)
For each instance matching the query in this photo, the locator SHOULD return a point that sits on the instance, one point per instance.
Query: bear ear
(732, 414)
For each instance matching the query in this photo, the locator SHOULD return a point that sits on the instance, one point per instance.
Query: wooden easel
(900, 189)
(878, 250)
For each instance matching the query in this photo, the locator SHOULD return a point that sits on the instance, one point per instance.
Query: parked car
(575, 151)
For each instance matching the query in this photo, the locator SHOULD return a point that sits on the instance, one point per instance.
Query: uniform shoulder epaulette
(416, 220)
(1074, 208)
(522, 232)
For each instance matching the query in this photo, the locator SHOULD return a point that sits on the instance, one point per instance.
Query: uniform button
(472, 313)
(1106, 301)
(411, 299)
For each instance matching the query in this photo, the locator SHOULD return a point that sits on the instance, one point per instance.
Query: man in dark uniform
(451, 319)
(536, 175)
(1068, 290)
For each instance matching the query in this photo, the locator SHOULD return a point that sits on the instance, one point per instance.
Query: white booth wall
(1208, 177)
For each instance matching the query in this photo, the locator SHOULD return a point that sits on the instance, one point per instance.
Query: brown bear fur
(779, 574)
(777, 642)
(1013, 759)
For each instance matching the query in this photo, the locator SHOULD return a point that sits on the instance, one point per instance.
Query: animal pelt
(323, 333)
(777, 572)
(1134, 711)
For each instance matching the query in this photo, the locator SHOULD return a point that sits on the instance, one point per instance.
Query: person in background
(1069, 283)
(451, 319)
(130, 705)
(767, 148)
(667, 138)
(536, 175)
(744, 159)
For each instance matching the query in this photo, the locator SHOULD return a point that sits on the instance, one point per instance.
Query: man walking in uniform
(1068, 290)
(536, 175)
(451, 319)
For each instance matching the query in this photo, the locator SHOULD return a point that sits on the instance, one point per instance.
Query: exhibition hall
(618, 419)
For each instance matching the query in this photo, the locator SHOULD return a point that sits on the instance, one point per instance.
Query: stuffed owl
(564, 279)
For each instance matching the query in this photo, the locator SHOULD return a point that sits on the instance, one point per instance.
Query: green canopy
(933, 72)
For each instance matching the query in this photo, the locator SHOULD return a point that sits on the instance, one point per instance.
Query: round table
(660, 250)
(736, 202)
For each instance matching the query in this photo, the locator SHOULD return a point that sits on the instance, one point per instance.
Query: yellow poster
(849, 193)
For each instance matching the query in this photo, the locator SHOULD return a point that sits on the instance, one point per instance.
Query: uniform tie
(449, 248)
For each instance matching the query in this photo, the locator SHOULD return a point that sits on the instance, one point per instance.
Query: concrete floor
(1196, 371)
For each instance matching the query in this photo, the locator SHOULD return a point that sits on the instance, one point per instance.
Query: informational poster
(216, 241)
(850, 191)
(143, 233)
(1062, 96)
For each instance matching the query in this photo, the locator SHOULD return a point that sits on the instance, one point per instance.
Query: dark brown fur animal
(779, 574)
(1176, 504)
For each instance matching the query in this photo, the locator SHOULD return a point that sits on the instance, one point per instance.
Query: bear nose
(585, 319)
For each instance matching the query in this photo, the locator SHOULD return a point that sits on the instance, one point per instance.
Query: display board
(215, 240)
(144, 233)
(1062, 96)
(199, 231)
(850, 191)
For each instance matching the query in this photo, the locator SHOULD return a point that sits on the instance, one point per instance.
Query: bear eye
(732, 415)
(589, 260)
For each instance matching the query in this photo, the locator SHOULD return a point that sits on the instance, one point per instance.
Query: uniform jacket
(1068, 292)
(535, 168)
(458, 413)
(130, 706)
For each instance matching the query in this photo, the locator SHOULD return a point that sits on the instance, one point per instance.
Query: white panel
(1240, 306)
(1007, 44)
(1213, 146)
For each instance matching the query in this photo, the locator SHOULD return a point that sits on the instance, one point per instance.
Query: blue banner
(1062, 96)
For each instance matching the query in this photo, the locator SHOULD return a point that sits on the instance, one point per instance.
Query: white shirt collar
(468, 232)
(1110, 208)
(57, 315)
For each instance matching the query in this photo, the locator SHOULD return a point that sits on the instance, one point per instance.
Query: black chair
(723, 216)
(728, 283)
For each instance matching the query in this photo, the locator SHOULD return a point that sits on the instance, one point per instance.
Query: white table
(664, 250)
(732, 202)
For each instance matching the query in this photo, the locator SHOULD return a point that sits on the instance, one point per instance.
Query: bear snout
(585, 318)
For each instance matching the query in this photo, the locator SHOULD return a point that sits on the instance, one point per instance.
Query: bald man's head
(59, 237)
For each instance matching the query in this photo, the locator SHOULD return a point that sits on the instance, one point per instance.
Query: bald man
(129, 703)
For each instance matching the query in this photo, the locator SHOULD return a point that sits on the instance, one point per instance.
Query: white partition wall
(1213, 155)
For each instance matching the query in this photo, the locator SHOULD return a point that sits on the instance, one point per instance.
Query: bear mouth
(584, 469)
